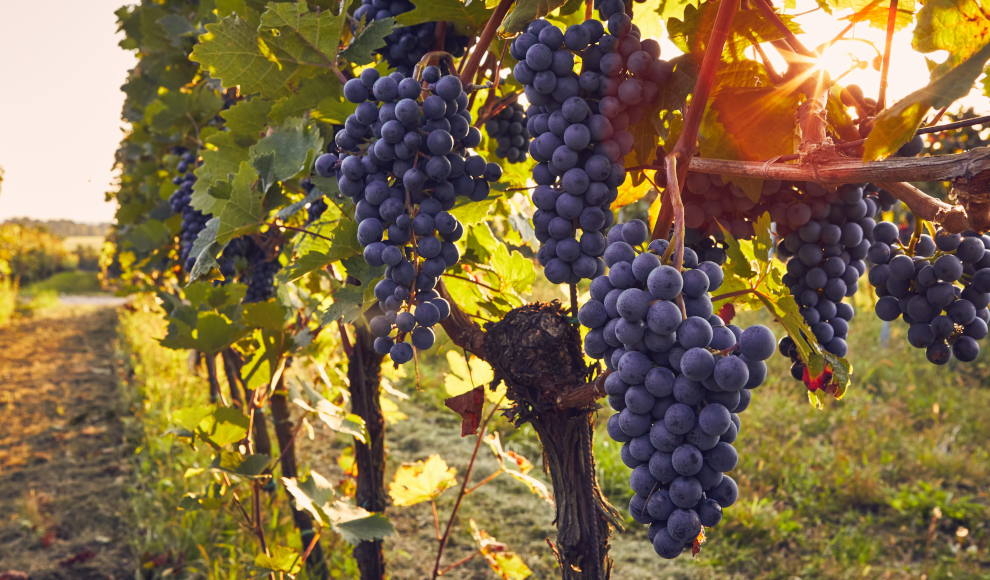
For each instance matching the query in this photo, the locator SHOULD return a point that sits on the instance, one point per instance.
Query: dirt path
(62, 458)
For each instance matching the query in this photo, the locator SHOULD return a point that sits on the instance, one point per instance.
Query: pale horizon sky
(60, 113)
(60, 108)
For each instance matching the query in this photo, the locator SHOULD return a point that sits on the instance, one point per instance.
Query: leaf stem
(463, 560)
(485, 480)
(485, 40)
(482, 284)
(461, 494)
(891, 21)
(767, 10)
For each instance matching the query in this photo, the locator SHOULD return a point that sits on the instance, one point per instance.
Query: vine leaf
(221, 159)
(468, 18)
(714, 141)
(507, 565)
(470, 213)
(249, 466)
(468, 405)
(247, 119)
(526, 11)
(421, 481)
(281, 559)
(361, 50)
(315, 495)
(896, 126)
(760, 121)
(876, 15)
(293, 144)
(961, 27)
(243, 212)
(205, 250)
(178, 28)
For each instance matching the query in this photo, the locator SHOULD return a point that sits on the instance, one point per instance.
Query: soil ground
(63, 463)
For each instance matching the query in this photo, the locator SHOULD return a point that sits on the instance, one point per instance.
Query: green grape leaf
(222, 157)
(243, 212)
(896, 125)
(361, 50)
(178, 28)
(526, 11)
(645, 141)
(515, 271)
(356, 525)
(281, 559)
(311, 93)
(233, 52)
(468, 19)
(691, 34)
(293, 144)
(961, 27)
(147, 237)
(248, 466)
(267, 315)
(876, 14)
(333, 110)
(224, 426)
(205, 250)
(303, 265)
(470, 212)
(291, 209)
(248, 118)
(306, 36)
(348, 303)
(311, 494)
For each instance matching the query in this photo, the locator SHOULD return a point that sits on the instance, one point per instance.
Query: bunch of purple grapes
(678, 383)
(404, 162)
(940, 288)
(193, 220)
(508, 130)
(826, 236)
(578, 124)
(407, 45)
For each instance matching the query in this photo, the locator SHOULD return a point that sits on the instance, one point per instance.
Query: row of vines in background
(307, 186)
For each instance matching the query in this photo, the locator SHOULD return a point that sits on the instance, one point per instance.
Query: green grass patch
(76, 282)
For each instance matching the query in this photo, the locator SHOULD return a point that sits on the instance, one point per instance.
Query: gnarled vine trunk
(365, 374)
(537, 353)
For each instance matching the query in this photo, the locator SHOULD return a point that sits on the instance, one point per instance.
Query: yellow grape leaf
(347, 462)
(391, 410)
(508, 565)
(629, 193)
(421, 481)
(535, 485)
(654, 211)
(464, 376)
(493, 441)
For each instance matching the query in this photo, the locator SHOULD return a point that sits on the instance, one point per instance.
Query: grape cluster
(678, 384)
(508, 129)
(404, 162)
(579, 126)
(826, 236)
(940, 287)
(193, 220)
(407, 45)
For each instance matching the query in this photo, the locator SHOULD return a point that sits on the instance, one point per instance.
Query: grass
(75, 282)
(8, 299)
(848, 491)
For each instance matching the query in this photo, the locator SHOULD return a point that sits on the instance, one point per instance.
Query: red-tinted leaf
(822, 381)
(727, 312)
(468, 406)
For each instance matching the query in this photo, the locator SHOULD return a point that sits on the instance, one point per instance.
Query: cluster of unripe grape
(404, 160)
(940, 287)
(677, 383)
(579, 126)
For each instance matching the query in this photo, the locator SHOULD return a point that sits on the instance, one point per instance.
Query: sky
(60, 104)
(60, 100)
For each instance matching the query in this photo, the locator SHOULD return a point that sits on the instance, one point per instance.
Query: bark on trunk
(538, 355)
(364, 373)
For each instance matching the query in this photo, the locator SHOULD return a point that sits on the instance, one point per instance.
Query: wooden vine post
(364, 372)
